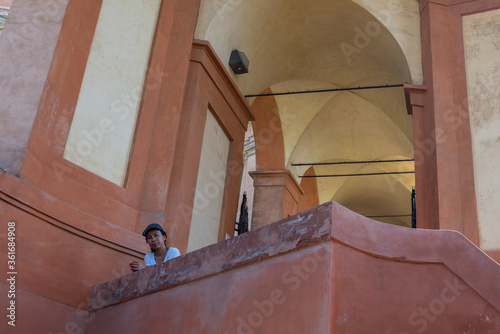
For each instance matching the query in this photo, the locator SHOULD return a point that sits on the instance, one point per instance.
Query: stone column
(276, 196)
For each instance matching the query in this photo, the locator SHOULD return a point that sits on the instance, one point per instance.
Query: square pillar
(276, 196)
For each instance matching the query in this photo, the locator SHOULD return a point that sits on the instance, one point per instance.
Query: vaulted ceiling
(298, 45)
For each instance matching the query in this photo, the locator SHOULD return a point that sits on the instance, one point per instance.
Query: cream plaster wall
(382, 196)
(209, 186)
(482, 53)
(348, 126)
(103, 126)
(402, 19)
(297, 111)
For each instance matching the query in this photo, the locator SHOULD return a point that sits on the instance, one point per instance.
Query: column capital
(448, 3)
(283, 177)
(415, 97)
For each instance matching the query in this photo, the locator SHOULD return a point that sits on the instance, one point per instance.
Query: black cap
(153, 227)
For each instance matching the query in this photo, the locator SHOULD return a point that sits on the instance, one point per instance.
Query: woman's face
(155, 239)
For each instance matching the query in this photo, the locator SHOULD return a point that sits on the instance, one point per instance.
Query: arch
(268, 133)
(336, 42)
(382, 197)
(297, 45)
(310, 198)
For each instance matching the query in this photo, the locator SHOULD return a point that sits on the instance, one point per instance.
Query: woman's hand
(136, 265)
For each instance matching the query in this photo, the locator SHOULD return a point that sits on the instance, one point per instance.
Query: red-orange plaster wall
(77, 229)
(209, 88)
(164, 134)
(268, 134)
(326, 270)
(374, 296)
(37, 314)
(280, 301)
(291, 197)
(55, 259)
(142, 199)
(444, 173)
(309, 185)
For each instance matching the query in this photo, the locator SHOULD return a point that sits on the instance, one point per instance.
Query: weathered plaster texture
(26, 49)
(210, 186)
(325, 270)
(482, 49)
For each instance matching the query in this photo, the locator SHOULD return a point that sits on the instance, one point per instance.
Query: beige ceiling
(296, 45)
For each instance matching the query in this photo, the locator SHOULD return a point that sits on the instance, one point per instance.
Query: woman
(157, 241)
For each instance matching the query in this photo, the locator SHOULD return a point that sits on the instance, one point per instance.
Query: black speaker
(238, 62)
